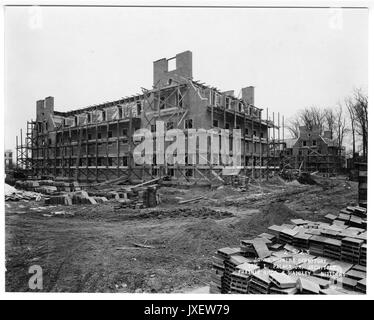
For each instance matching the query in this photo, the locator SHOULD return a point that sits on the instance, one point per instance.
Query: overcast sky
(84, 56)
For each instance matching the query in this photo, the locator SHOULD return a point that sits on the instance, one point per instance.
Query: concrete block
(100, 199)
(75, 186)
(91, 200)
(59, 200)
(68, 201)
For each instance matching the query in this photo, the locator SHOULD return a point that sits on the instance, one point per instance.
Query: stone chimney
(327, 134)
(162, 76)
(248, 95)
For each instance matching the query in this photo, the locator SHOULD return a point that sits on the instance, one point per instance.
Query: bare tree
(361, 115)
(309, 117)
(331, 117)
(340, 126)
(293, 126)
(350, 107)
(313, 117)
(358, 112)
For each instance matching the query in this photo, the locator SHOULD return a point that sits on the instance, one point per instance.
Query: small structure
(8, 160)
(314, 150)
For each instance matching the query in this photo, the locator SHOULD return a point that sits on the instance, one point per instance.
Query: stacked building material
(323, 283)
(316, 245)
(349, 284)
(275, 230)
(301, 240)
(362, 184)
(48, 186)
(339, 267)
(259, 283)
(137, 198)
(356, 274)
(219, 267)
(286, 248)
(282, 284)
(235, 261)
(239, 282)
(330, 217)
(332, 248)
(256, 248)
(287, 291)
(353, 216)
(62, 186)
(217, 273)
(358, 211)
(74, 186)
(313, 267)
(351, 249)
(276, 246)
(299, 222)
(59, 200)
(13, 194)
(306, 286)
(359, 268)
(361, 286)
(272, 238)
(287, 235)
(329, 233)
(363, 255)
(241, 277)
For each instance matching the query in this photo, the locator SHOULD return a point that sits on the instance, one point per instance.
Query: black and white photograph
(186, 150)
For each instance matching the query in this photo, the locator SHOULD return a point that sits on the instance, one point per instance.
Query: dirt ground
(167, 249)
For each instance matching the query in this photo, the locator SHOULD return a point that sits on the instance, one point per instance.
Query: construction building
(96, 143)
(313, 151)
(8, 160)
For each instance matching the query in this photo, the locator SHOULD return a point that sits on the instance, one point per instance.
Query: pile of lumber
(47, 186)
(302, 257)
(353, 216)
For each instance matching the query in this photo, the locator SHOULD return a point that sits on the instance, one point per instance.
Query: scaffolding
(76, 156)
(24, 147)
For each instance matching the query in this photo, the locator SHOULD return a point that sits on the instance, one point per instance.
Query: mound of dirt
(204, 237)
(171, 191)
(107, 213)
(306, 178)
(275, 212)
(223, 191)
(201, 212)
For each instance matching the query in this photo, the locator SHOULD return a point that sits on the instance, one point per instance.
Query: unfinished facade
(96, 143)
(8, 160)
(313, 151)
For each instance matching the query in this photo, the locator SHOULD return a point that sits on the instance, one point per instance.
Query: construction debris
(13, 194)
(139, 197)
(350, 216)
(47, 186)
(190, 200)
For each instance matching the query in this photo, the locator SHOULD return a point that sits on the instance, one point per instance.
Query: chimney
(184, 64)
(248, 95)
(327, 134)
(49, 104)
(162, 74)
(39, 109)
(160, 68)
